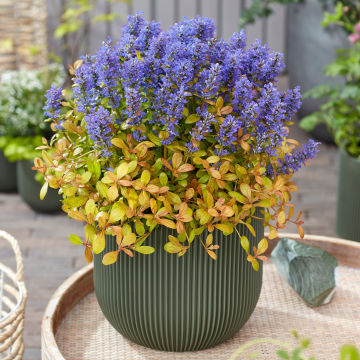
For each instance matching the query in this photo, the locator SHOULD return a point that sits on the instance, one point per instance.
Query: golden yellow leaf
(209, 240)
(88, 255)
(213, 159)
(44, 190)
(113, 193)
(223, 227)
(133, 199)
(246, 190)
(128, 239)
(122, 170)
(281, 217)
(212, 254)
(262, 246)
(168, 223)
(273, 234)
(110, 257)
(99, 242)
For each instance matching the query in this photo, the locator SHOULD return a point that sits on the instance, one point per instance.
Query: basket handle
(19, 261)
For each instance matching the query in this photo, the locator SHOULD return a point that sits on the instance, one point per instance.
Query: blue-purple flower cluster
(53, 103)
(295, 160)
(156, 78)
(98, 124)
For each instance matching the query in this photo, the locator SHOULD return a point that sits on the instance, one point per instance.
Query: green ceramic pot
(29, 189)
(7, 174)
(348, 198)
(189, 303)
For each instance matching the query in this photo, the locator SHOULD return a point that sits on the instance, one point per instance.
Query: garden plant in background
(76, 18)
(341, 113)
(178, 140)
(263, 9)
(22, 123)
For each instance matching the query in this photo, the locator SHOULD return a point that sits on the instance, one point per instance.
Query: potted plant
(22, 127)
(341, 114)
(176, 141)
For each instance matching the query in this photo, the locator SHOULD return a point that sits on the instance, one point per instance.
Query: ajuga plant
(177, 129)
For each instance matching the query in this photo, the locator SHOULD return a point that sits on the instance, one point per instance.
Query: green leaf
(245, 243)
(75, 239)
(182, 236)
(240, 198)
(173, 198)
(283, 354)
(156, 140)
(349, 352)
(172, 249)
(191, 119)
(144, 249)
(139, 228)
(77, 201)
(255, 265)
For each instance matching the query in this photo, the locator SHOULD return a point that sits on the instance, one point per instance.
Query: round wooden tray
(73, 326)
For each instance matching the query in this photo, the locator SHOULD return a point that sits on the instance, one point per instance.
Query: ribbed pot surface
(189, 303)
(29, 189)
(7, 174)
(348, 199)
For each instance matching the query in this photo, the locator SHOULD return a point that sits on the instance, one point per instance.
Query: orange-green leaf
(77, 215)
(251, 229)
(273, 234)
(168, 223)
(212, 254)
(119, 143)
(262, 246)
(88, 255)
(171, 248)
(185, 168)
(281, 217)
(263, 203)
(223, 227)
(246, 190)
(255, 265)
(301, 231)
(240, 198)
(128, 239)
(110, 257)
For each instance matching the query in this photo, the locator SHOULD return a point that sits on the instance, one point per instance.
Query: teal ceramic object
(312, 272)
(29, 189)
(7, 174)
(348, 198)
(189, 303)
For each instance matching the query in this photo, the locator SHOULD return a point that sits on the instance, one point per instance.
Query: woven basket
(13, 296)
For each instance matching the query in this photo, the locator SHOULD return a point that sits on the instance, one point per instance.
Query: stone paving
(50, 258)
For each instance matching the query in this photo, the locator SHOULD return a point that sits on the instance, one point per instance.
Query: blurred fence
(23, 26)
(226, 14)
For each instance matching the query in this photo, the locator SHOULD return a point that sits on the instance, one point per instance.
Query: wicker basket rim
(12, 276)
